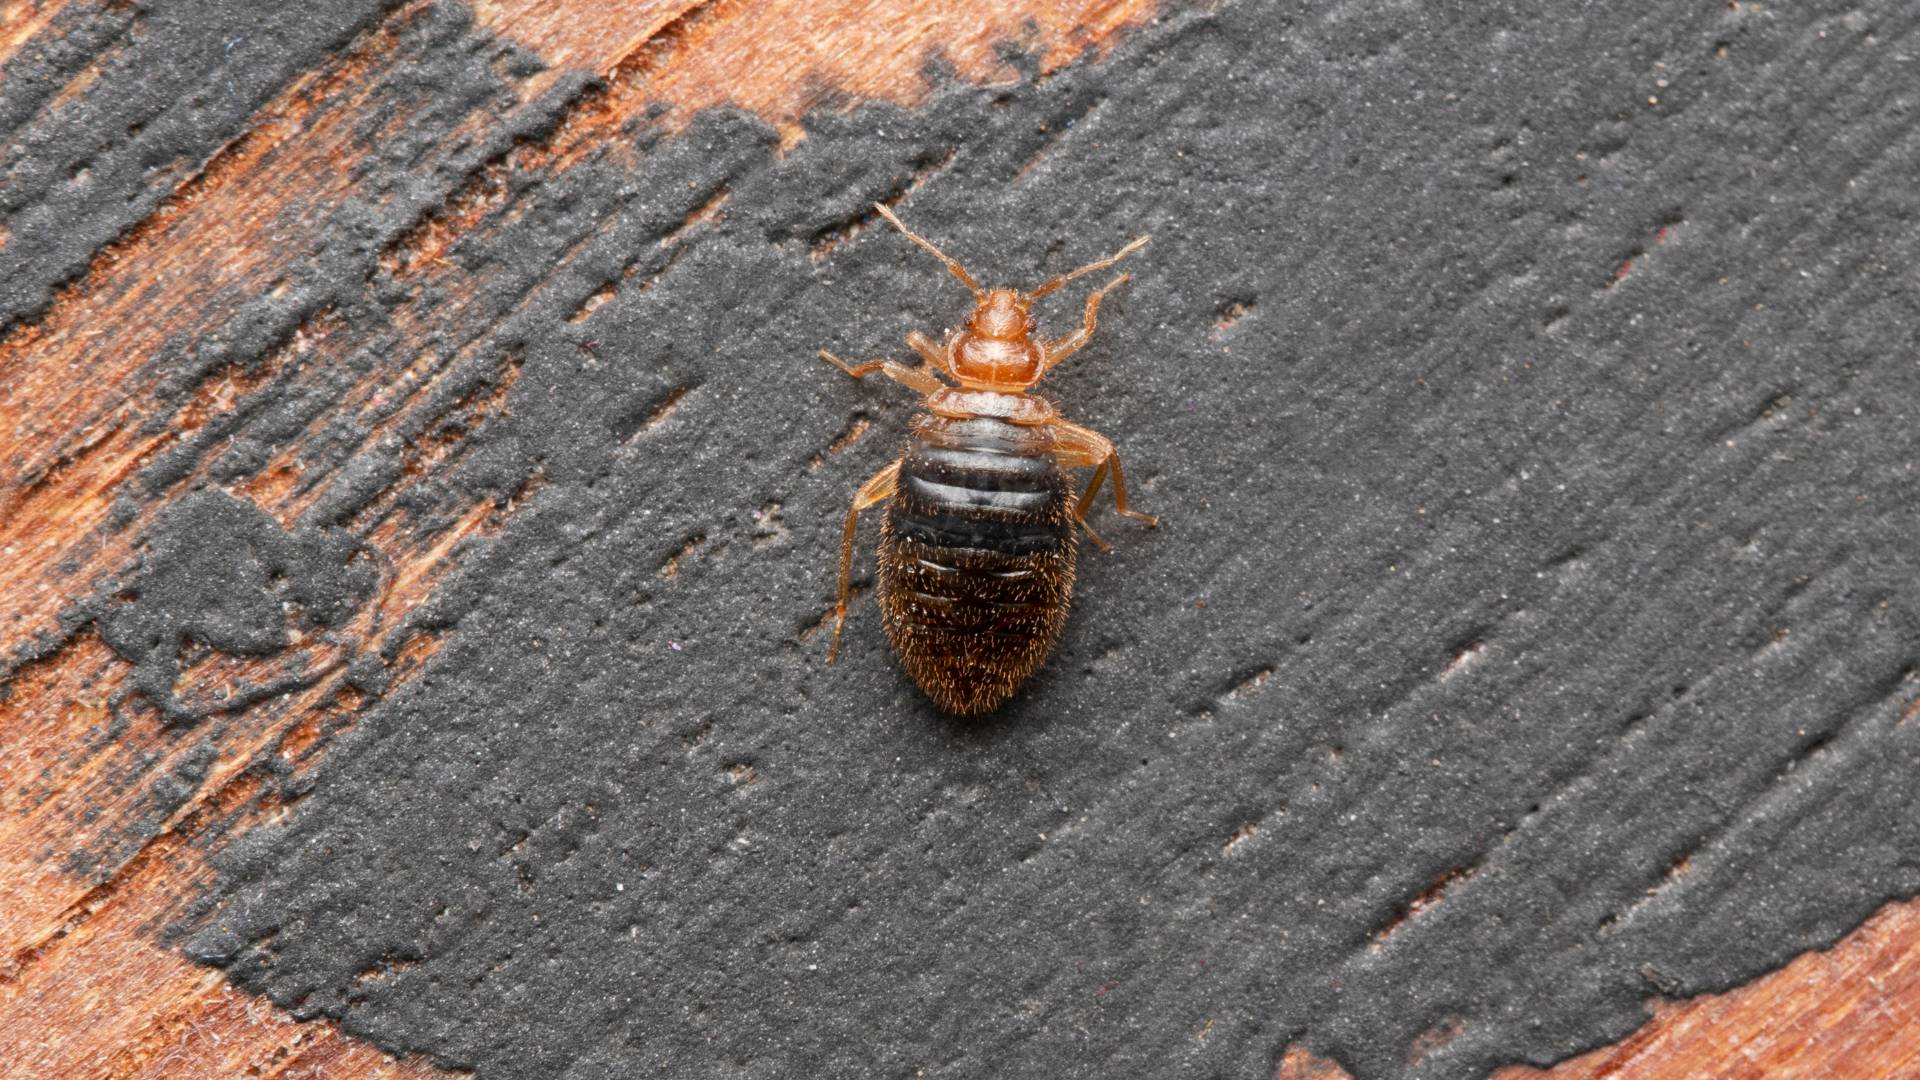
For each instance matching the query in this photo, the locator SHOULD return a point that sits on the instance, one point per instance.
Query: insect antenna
(952, 264)
(1138, 243)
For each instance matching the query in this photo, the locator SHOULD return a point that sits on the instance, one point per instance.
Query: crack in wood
(1422, 904)
(855, 430)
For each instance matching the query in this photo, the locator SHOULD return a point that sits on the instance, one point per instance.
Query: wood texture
(82, 963)
(800, 55)
(1848, 1011)
(83, 966)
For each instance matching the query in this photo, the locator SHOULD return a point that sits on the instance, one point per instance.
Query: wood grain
(1845, 1013)
(94, 877)
(1849, 1011)
(780, 58)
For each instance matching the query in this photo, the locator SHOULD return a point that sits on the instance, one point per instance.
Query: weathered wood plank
(84, 963)
(781, 58)
(93, 871)
(1844, 1012)
(1848, 1011)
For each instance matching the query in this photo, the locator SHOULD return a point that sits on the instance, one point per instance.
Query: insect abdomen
(976, 558)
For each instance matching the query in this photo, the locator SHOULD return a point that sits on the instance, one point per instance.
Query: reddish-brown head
(1001, 315)
(998, 350)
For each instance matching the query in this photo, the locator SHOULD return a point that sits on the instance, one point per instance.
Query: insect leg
(1086, 500)
(952, 264)
(933, 353)
(1061, 348)
(1136, 244)
(1083, 446)
(877, 488)
(923, 381)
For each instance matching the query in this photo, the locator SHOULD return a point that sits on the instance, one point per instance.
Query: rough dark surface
(220, 575)
(1529, 394)
(176, 82)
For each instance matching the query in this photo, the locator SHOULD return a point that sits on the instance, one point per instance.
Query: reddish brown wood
(690, 54)
(1850, 1011)
(1297, 1064)
(1847, 1013)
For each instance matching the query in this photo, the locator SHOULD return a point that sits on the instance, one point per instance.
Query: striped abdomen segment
(976, 558)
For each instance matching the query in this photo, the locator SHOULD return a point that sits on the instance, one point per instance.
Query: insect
(980, 534)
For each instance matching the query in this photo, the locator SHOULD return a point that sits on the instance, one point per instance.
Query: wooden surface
(83, 967)
(1849, 1011)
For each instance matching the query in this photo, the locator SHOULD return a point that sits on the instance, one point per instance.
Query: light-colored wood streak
(92, 881)
(229, 235)
(1845, 1013)
(780, 58)
(105, 1000)
(21, 23)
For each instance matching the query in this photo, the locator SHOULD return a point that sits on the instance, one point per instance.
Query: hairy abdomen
(976, 558)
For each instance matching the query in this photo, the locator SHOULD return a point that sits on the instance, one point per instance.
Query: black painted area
(1529, 394)
(219, 575)
(114, 105)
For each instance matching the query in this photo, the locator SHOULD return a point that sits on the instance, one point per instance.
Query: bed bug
(981, 531)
